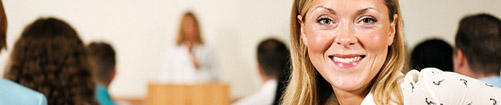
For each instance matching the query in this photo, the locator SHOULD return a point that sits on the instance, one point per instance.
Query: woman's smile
(346, 60)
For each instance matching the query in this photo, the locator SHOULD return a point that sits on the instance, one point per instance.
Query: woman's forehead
(349, 6)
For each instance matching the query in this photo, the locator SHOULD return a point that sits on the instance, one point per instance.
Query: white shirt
(435, 87)
(265, 95)
(368, 100)
(180, 69)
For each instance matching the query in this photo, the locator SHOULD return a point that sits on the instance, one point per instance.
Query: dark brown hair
(50, 58)
(273, 57)
(102, 56)
(479, 37)
(432, 53)
(3, 27)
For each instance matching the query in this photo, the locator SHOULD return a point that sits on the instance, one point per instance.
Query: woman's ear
(393, 28)
(301, 24)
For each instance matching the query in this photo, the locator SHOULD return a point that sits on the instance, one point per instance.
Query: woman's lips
(347, 61)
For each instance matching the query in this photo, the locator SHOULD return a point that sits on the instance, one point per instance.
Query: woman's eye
(368, 20)
(324, 21)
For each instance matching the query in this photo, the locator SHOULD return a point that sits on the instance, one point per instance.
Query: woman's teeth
(346, 60)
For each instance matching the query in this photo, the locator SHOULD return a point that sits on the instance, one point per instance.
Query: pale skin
(263, 75)
(462, 66)
(348, 29)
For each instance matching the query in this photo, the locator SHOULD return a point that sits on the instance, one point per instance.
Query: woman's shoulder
(433, 86)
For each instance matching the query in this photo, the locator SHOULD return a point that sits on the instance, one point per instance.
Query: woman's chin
(346, 85)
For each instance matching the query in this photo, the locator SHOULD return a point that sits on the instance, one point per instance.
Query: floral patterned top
(432, 86)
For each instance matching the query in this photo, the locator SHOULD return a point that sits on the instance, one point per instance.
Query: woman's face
(189, 29)
(347, 40)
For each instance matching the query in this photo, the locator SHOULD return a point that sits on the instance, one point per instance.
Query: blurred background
(141, 31)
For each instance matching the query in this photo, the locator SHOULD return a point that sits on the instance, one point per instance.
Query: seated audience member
(432, 53)
(102, 56)
(49, 57)
(273, 58)
(12, 93)
(283, 81)
(478, 47)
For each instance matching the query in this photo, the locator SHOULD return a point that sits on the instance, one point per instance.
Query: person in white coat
(190, 60)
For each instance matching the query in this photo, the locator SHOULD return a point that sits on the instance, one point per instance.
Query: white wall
(440, 18)
(141, 30)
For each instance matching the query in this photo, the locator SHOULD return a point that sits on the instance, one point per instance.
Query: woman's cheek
(318, 40)
(376, 40)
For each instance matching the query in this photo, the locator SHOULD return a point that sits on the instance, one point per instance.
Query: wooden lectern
(188, 94)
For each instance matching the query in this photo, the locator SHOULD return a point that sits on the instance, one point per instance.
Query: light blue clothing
(103, 98)
(496, 81)
(12, 93)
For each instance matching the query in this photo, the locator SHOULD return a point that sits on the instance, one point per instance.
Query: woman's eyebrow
(326, 8)
(365, 10)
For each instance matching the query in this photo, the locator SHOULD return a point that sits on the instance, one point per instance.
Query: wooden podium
(188, 94)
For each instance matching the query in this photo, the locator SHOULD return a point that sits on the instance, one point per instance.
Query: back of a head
(102, 57)
(479, 39)
(49, 57)
(432, 53)
(273, 57)
(3, 27)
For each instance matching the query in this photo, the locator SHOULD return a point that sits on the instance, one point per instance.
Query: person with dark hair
(12, 93)
(273, 58)
(49, 57)
(3, 27)
(102, 57)
(432, 53)
(283, 81)
(478, 47)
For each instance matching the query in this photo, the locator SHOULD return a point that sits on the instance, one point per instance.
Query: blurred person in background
(11, 93)
(478, 48)
(273, 58)
(283, 81)
(49, 57)
(432, 53)
(102, 57)
(190, 60)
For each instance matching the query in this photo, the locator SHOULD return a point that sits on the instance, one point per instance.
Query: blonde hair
(307, 87)
(180, 35)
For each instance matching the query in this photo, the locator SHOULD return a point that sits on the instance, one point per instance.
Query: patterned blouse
(432, 86)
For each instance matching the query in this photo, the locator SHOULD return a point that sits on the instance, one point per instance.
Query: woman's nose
(345, 37)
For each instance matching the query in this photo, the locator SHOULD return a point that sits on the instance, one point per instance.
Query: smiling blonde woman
(352, 50)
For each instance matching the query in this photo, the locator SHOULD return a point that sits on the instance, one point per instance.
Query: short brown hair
(479, 39)
(273, 56)
(49, 57)
(103, 57)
